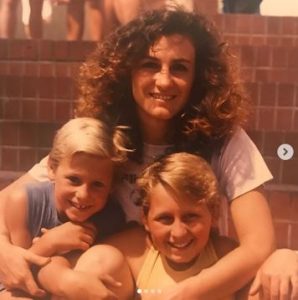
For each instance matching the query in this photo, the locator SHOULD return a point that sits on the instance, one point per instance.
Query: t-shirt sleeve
(240, 166)
(39, 171)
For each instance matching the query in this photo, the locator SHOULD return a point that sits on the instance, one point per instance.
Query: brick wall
(37, 89)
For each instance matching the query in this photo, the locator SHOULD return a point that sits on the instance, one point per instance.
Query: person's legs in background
(94, 15)
(35, 27)
(75, 20)
(8, 18)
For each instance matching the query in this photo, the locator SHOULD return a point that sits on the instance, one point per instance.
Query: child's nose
(82, 192)
(178, 229)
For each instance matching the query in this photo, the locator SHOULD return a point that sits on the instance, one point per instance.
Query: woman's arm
(252, 219)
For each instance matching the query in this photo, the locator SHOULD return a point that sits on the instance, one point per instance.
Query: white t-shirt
(239, 168)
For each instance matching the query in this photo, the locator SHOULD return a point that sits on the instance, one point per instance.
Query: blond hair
(91, 136)
(186, 175)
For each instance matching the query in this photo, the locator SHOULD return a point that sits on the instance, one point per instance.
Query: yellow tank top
(156, 273)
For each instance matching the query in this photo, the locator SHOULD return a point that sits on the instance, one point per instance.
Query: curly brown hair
(217, 102)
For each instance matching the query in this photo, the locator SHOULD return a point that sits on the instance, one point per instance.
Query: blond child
(180, 205)
(71, 211)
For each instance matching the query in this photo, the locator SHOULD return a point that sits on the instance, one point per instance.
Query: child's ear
(144, 221)
(51, 171)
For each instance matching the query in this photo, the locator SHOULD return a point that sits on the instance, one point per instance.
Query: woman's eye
(98, 184)
(149, 65)
(179, 68)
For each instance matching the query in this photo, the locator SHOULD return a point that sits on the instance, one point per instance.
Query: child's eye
(74, 180)
(164, 219)
(190, 218)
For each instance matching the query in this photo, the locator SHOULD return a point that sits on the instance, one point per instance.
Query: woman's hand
(65, 238)
(278, 277)
(15, 270)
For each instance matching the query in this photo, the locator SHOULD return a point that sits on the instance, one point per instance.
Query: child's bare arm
(16, 219)
(65, 238)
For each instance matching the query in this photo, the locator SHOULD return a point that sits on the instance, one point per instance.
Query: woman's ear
(51, 171)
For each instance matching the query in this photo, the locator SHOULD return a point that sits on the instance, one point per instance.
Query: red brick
(253, 91)
(29, 87)
(31, 69)
(29, 110)
(4, 67)
(45, 134)
(272, 140)
(266, 118)
(230, 24)
(64, 88)
(268, 94)
(258, 40)
(262, 75)
(46, 110)
(282, 234)
(259, 24)
(28, 134)
(60, 51)
(245, 23)
(293, 58)
(62, 69)
(23, 49)
(292, 139)
(289, 25)
(294, 234)
(280, 204)
(285, 95)
(294, 207)
(12, 109)
(13, 86)
(4, 44)
(274, 25)
(295, 124)
(263, 56)
(274, 165)
(74, 70)
(290, 167)
(9, 159)
(284, 119)
(16, 68)
(46, 87)
(248, 56)
(46, 70)
(280, 57)
(27, 159)
(46, 50)
(9, 133)
(273, 40)
(278, 75)
(63, 111)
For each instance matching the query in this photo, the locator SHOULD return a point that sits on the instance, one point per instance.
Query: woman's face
(161, 81)
(179, 228)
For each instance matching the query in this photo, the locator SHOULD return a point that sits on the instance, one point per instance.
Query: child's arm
(252, 219)
(65, 238)
(16, 219)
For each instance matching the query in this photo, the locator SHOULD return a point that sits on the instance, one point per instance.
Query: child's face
(179, 228)
(82, 185)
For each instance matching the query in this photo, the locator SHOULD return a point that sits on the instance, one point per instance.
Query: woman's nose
(163, 78)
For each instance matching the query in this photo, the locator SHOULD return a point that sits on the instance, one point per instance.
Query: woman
(169, 77)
